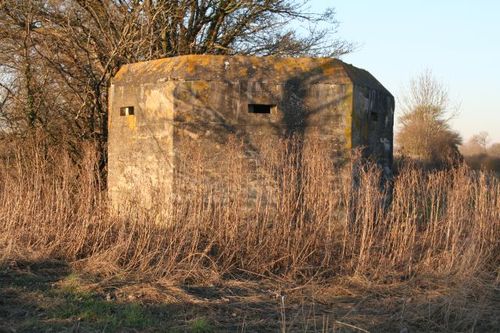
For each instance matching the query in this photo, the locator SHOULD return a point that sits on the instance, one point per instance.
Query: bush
(425, 132)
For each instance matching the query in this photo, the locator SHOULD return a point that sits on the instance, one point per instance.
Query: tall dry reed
(298, 218)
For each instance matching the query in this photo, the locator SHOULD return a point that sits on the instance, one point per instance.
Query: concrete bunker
(160, 110)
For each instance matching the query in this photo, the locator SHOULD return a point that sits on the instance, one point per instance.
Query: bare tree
(494, 150)
(57, 56)
(482, 139)
(425, 131)
(476, 145)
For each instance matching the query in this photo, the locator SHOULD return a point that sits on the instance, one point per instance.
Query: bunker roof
(237, 68)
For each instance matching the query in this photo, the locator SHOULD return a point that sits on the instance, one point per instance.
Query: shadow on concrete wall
(296, 110)
(295, 115)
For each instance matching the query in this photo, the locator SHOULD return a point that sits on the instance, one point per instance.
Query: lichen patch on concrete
(203, 102)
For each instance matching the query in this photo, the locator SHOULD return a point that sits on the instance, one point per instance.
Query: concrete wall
(140, 146)
(372, 125)
(192, 118)
(208, 115)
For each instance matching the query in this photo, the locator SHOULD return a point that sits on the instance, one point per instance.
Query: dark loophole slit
(260, 108)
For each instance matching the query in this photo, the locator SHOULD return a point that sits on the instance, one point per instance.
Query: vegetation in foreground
(427, 252)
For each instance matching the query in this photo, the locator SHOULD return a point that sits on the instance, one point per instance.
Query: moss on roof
(235, 68)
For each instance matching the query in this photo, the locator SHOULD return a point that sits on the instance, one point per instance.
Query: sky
(459, 41)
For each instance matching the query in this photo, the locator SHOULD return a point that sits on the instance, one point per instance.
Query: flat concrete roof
(238, 68)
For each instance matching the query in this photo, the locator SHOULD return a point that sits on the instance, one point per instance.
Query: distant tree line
(479, 153)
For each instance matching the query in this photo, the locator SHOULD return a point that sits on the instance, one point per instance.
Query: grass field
(48, 296)
(337, 254)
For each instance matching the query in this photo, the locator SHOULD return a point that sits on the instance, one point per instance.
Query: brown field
(332, 254)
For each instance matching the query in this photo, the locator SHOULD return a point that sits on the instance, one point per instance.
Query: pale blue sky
(459, 41)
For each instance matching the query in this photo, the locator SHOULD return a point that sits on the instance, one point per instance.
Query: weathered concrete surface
(202, 102)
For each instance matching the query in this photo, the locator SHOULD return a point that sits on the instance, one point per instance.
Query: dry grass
(435, 236)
